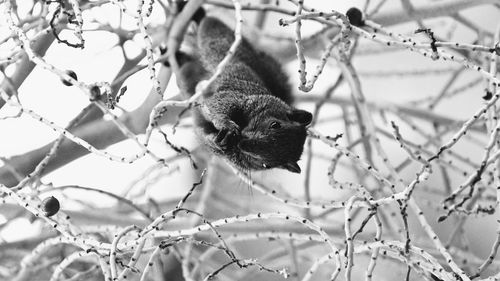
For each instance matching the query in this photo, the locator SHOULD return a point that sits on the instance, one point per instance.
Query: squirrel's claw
(226, 137)
(227, 134)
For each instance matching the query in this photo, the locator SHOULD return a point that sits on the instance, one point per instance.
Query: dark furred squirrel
(246, 114)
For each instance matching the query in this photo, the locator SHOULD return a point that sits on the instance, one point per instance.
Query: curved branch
(25, 66)
(100, 133)
(430, 10)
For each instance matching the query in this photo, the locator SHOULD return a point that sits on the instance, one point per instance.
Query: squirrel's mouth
(252, 159)
(245, 149)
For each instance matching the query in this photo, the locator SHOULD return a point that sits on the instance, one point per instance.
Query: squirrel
(246, 114)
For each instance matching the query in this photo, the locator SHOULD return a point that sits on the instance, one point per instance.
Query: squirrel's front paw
(227, 134)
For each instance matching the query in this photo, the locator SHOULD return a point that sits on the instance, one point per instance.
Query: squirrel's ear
(301, 116)
(292, 167)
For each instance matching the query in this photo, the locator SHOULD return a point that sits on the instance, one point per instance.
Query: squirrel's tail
(191, 69)
(198, 15)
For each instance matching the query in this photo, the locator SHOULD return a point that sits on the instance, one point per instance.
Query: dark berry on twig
(50, 206)
(71, 74)
(488, 95)
(355, 17)
(95, 93)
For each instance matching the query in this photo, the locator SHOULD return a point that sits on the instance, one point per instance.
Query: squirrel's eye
(275, 125)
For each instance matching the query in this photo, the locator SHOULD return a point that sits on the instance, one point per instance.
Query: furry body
(246, 115)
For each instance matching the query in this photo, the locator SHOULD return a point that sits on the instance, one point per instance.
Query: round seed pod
(50, 206)
(95, 93)
(355, 16)
(72, 74)
(488, 95)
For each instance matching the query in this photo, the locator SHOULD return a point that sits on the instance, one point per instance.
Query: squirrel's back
(248, 64)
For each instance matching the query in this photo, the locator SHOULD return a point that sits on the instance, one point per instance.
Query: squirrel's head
(275, 136)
